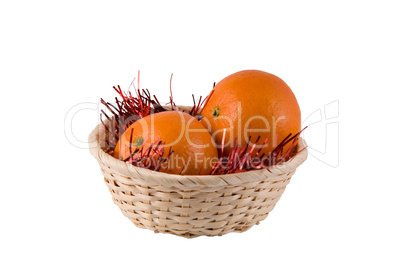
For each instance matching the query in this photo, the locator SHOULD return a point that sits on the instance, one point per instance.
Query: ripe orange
(194, 149)
(252, 103)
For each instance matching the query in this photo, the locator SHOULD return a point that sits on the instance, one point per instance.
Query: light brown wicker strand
(192, 206)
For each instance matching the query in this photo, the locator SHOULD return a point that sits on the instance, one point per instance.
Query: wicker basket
(192, 206)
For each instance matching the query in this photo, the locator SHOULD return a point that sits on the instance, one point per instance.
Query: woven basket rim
(160, 178)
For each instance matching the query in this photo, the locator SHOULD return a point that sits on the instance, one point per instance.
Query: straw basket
(192, 206)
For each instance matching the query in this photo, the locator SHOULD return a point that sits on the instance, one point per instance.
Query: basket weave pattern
(192, 206)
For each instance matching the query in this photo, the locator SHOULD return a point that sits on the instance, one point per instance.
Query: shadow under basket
(192, 206)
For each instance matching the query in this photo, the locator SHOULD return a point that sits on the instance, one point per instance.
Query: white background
(342, 208)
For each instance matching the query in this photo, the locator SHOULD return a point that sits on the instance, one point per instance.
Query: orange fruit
(252, 103)
(194, 151)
